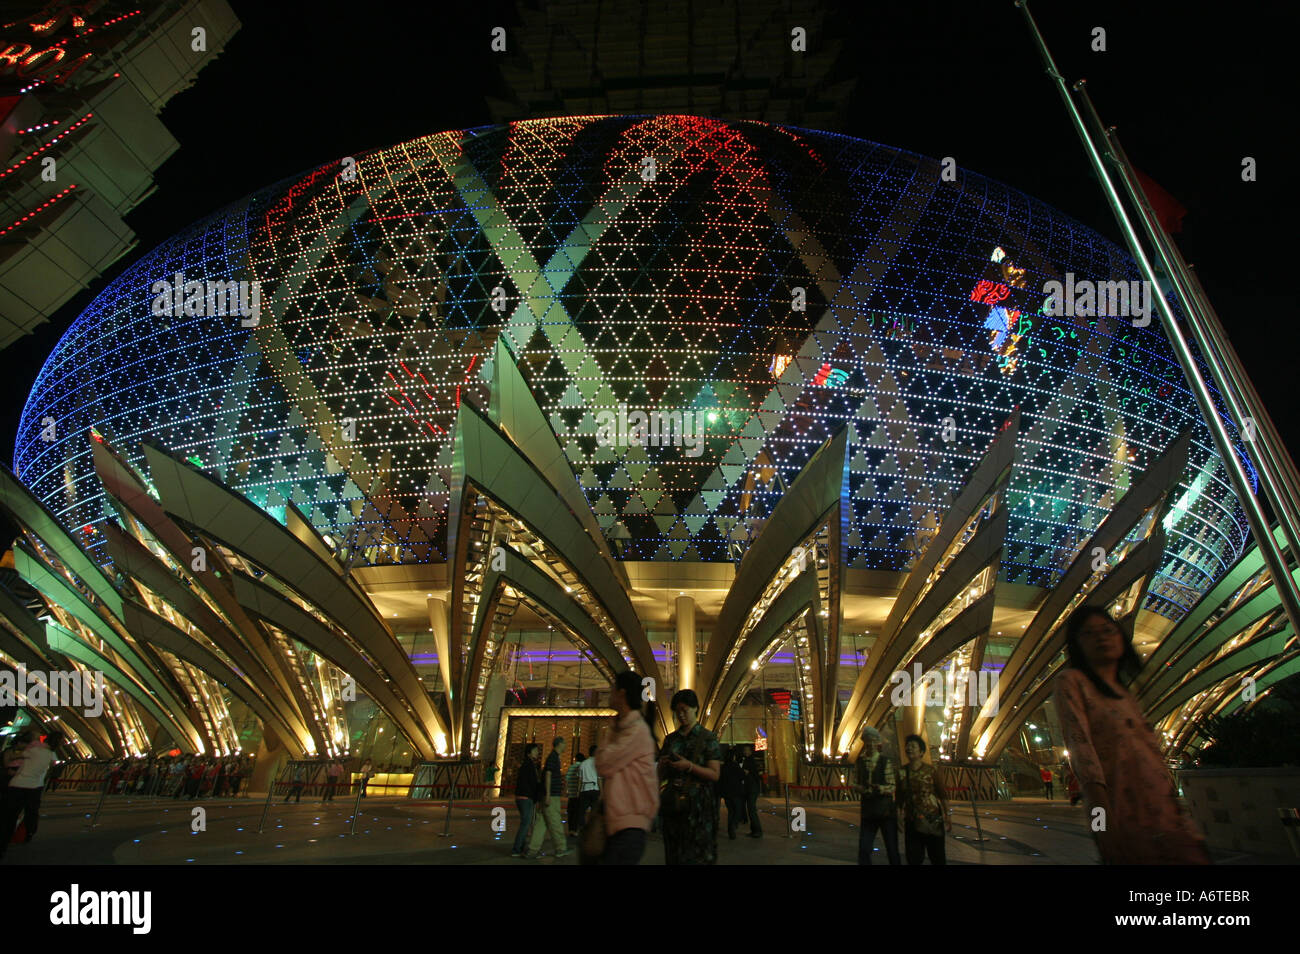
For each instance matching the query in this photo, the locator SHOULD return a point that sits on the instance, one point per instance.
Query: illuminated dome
(777, 284)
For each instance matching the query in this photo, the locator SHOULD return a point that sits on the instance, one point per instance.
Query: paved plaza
(143, 831)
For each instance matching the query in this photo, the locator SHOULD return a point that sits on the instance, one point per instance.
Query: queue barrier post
(788, 832)
(103, 793)
(270, 790)
(356, 806)
(451, 797)
(979, 829)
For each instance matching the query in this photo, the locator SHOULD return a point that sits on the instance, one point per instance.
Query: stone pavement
(132, 831)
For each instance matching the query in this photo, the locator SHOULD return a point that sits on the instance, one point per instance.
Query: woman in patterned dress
(925, 806)
(1132, 804)
(691, 759)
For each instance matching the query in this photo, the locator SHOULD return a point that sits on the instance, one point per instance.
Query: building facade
(750, 408)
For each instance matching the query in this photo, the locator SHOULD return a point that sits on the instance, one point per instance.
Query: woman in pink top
(625, 759)
(1132, 804)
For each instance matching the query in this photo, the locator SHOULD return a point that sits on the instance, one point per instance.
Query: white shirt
(587, 772)
(36, 762)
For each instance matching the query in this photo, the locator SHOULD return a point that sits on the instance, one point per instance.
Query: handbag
(591, 842)
(678, 793)
(923, 823)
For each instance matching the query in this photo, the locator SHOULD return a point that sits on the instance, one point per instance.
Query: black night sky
(1192, 89)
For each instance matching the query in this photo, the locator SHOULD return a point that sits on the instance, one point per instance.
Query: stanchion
(979, 829)
(103, 793)
(356, 807)
(451, 796)
(788, 832)
(270, 790)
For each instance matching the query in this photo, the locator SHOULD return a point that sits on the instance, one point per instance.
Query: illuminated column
(910, 719)
(271, 754)
(685, 642)
(441, 640)
(496, 697)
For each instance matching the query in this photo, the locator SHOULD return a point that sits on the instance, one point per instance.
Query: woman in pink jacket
(625, 759)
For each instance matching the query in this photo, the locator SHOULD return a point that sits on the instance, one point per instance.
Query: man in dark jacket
(876, 781)
(732, 789)
(753, 788)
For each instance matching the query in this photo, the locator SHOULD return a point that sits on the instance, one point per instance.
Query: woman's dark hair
(686, 696)
(630, 683)
(528, 749)
(1129, 662)
(917, 739)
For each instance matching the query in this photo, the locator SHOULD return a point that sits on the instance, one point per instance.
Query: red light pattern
(39, 209)
(21, 162)
(989, 292)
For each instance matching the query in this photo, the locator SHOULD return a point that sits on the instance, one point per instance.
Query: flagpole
(1286, 588)
(1288, 468)
(1228, 376)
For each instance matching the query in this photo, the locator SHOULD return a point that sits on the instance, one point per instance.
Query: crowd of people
(624, 787)
(632, 788)
(164, 776)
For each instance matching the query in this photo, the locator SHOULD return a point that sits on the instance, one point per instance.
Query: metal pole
(975, 810)
(102, 794)
(788, 832)
(1223, 442)
(356, 805)
(451, 796)
(1207, 331)
(1288, 473)
(266, 809)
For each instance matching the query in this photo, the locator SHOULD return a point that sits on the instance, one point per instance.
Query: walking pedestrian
(732, 787)
(367, 773)
(549, 808)
(527, 790)
(332, 774)
(753, 769)
(23, 795)
(589, 787)
(925, 807)
(690, 763)
(1072, 788)
(876, 781)
(295, 789)
(1115, 753)
(573, 791)
(1046, 775)
(625, 759)
(13, 757)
